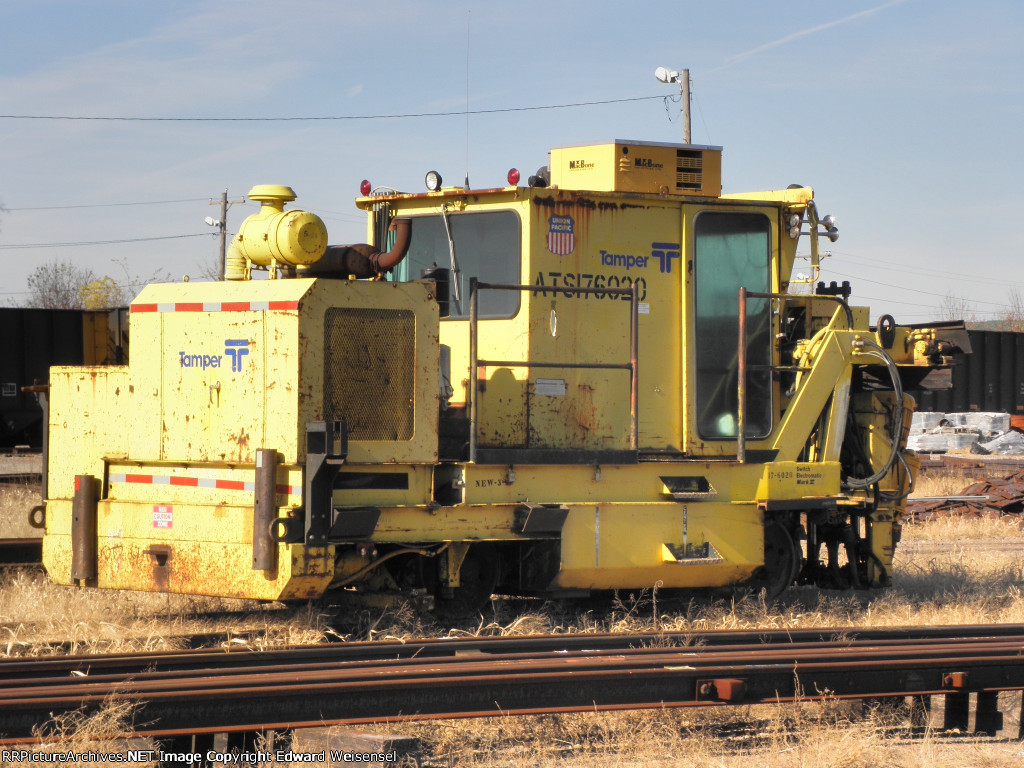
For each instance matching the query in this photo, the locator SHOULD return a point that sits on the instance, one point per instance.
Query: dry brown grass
(965, 529)
(941, 483)
(965, 582)
(38, 617)
(787, 736)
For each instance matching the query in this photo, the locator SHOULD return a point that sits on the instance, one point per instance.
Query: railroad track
(21, 553)
(203, 692)
(245, 631)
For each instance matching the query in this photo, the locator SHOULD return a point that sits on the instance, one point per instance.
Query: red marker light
(364, 187)
(513, 177)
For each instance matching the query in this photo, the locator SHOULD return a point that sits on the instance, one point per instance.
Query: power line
(355, 217)
(858, 297)
(928, 272)
(459, 113)
(108, 205)
(840, 273)
(105, 242)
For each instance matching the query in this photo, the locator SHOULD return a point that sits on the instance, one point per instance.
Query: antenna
(468, 13)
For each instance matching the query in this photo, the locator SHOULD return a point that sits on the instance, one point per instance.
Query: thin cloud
(804, 33)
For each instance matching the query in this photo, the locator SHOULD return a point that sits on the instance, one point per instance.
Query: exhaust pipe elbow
(385, 262)
(362, 260)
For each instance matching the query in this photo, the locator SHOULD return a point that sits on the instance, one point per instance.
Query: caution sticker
(163, 516)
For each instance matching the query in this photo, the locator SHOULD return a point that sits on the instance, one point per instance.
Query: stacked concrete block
(977, 432)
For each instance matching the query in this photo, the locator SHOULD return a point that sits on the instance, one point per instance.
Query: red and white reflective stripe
(199, 482)
(216, 306)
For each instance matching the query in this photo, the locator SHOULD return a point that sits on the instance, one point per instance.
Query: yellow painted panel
(370, 375)
(799, 479)
(611, 546)
(196, 397)
(213, 484)
(184, 548)
(88, 421)
(214, 386)
(640, 483)
(381, 486)
(615, 247)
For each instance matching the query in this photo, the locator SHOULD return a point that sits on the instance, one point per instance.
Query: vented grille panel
(689, 169)
(370, 371)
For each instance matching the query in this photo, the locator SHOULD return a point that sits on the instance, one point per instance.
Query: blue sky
(906, 118)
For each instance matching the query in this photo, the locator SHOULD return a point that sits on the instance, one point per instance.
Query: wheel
(781, 562)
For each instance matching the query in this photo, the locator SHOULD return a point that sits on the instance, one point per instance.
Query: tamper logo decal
(237, 349)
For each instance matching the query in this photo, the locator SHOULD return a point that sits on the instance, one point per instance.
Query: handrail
(741, 359)
(475, 363)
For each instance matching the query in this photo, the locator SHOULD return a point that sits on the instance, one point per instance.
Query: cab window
(487, 246)
(732, 250)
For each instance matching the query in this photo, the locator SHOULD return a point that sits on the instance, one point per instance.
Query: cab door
(729, 249)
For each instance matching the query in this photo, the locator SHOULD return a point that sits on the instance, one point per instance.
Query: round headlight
(433, 181)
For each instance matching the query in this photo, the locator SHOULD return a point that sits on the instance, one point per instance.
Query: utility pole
(682, 77)
(222, 226)
(684, 93)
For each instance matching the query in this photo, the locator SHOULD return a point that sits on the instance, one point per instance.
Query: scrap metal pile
(992, 498)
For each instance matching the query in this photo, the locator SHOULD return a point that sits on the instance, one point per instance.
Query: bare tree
(210, 268)
(132, 282)
(956, 308)
(57, 285)
(1013, 318)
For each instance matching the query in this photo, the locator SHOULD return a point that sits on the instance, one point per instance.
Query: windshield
(487, 246)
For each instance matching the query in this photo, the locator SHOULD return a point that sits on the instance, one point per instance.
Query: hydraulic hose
(383, 559)
(873, 350)
(910, 484)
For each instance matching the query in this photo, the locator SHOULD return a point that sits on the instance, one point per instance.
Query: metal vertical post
(264, 548)
(83, 529)
(957, 712)
(684, 93)
(223, 226)
(1020, 720)
(43, 397)
(634, 356)
(741, 384)
(987, 717)
(473, 375)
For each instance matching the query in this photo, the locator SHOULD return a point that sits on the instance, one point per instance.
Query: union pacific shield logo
(561, 235)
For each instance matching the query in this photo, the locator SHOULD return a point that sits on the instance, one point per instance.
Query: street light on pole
(682, 77)
(222, 224)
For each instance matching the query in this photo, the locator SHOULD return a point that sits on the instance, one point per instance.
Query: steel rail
(323, 676)
(132, 663)
(289, 689)
(239, 666)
